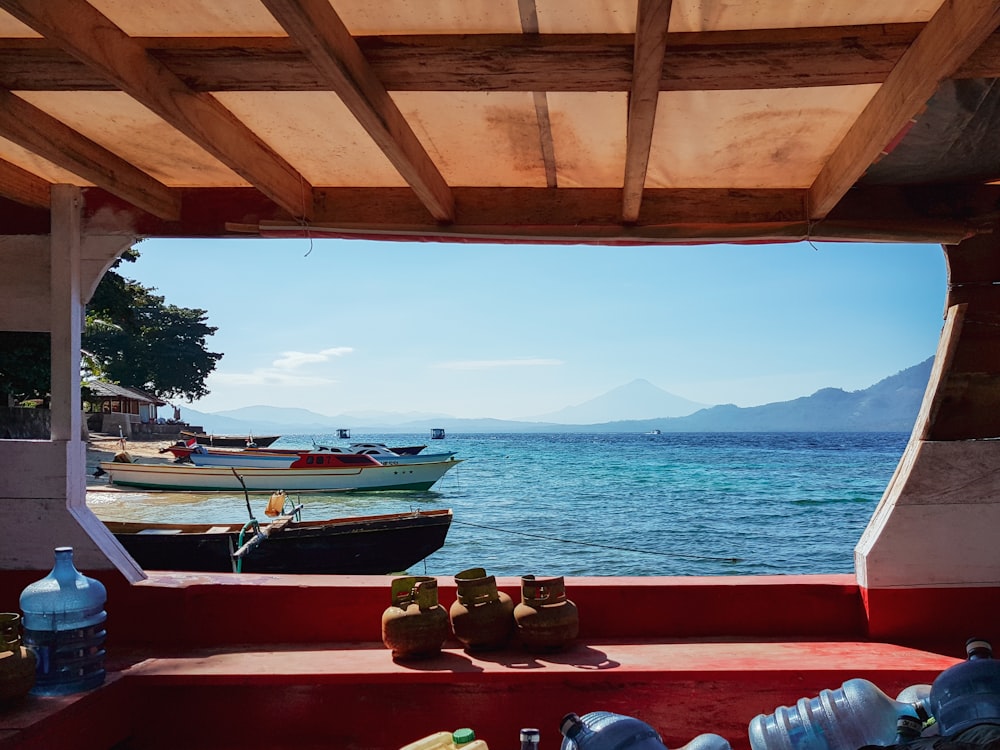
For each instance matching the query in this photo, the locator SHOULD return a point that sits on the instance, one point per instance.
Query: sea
(608, 504)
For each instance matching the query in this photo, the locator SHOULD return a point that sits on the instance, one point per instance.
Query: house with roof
(117, 409)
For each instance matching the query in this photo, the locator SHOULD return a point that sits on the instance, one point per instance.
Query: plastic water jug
(64, 627)
(602, 730)
(855, 714)
(460, 739)
(968, 694)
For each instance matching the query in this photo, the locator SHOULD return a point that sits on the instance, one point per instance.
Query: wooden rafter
(316, 27)
(730, 60)
(42, 134)
(86, 34)
(943, 214)
(528, 12)
(22, 186)
(652, 18)
(948, 39)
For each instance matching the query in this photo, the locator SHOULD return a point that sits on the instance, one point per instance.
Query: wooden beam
(22, 186)
(652, 18)
(85, 33)
(680, 216)
(948, 39)
(546, 141)
(42, 134)
(529, 26)
(712, 60)
(317, 28)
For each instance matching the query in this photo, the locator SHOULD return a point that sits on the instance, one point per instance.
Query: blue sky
(510, 331)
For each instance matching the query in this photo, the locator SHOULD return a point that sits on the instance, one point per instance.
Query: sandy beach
(105, 447)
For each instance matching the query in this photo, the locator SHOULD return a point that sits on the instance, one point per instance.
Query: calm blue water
(613, 504)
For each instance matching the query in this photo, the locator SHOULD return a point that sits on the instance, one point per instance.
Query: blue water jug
(968, 694)
(602, 730)
(64, 627)
(855, 714)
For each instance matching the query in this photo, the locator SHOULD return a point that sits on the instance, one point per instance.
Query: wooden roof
(102, 389)
(514, 120)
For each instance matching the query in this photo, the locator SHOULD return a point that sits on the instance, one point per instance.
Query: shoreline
(103, 447)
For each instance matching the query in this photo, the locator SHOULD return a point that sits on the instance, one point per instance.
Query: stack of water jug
(962, 705)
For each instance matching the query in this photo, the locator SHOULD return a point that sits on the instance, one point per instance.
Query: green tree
(154, 346)
(24, 365)
(131, 337)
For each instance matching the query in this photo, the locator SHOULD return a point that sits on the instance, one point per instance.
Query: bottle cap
(530, 734)
(978, 644)
(463, 736)
(908, 723)
(570, 724)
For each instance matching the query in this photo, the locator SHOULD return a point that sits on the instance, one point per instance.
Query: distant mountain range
(891, 405)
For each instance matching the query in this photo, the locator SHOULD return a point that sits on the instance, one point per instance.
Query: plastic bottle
(602, 730)
(855, 714)
(707, 741)
(968, 693)
(460, 739)
(919, 696)
(64, 627)
(530, 738)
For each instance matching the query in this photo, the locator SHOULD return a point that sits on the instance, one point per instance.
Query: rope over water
(605, 546)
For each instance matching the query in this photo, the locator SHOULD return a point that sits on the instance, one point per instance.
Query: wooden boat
(359, 545)
(230, 441)
(183, 449)
(318, 473)
(302, 459)
(401, 450)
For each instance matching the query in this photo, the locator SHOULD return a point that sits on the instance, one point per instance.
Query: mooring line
(606, 546)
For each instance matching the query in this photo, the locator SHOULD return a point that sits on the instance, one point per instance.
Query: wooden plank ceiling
(621, 121)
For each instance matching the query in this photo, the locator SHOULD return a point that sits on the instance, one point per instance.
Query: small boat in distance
(363, 545)
(230, 441)
(654, 432)
(437, 433)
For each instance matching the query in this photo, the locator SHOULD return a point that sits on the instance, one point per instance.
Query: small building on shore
(116, 409)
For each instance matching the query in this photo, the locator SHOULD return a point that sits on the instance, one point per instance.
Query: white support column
(67, 314)
(43, 492)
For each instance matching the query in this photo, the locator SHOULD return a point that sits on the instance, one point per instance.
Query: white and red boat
(310, 473)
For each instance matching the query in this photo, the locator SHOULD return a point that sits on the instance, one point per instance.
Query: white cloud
(268, 377)
(489, 364)
(280, 372)
(293, 360)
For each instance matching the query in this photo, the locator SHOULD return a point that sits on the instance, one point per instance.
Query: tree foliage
(24, 365)
(131, 337)
(154, 346)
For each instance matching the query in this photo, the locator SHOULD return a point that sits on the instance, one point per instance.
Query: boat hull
(243, 460)
(371, 545)
(183, 477)
(230, 441)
